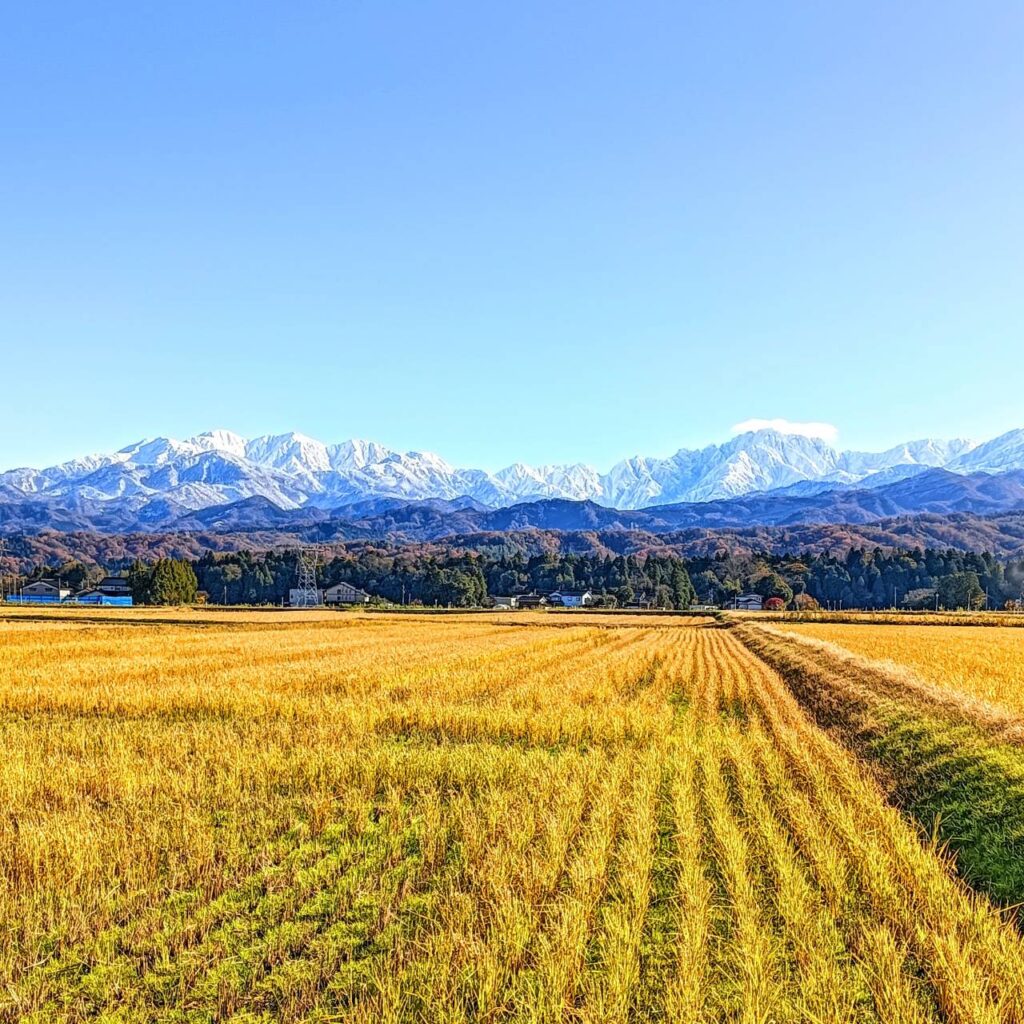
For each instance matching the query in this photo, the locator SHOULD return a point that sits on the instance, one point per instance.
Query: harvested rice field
(987, 664)
(262, 817)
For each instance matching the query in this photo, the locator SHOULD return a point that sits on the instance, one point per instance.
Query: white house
(345, 593)
(571, 598)
(749, 603)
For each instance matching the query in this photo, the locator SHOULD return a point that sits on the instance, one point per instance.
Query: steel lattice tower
(306, 593)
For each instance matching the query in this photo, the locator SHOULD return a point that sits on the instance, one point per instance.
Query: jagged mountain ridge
(928, 492)
(933, 492)
(293, 471)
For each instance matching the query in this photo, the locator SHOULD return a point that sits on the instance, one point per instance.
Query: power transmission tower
(306, 593)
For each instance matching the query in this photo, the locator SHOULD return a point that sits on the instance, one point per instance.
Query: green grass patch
(964, 789)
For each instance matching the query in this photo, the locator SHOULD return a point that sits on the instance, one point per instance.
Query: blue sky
(550, 232)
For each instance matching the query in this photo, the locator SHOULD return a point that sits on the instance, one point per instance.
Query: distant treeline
(408, 575)
(459, 580)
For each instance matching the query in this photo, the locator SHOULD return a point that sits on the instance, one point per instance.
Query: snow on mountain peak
(220, 441)
(291, 470)
(289, 452)
(155, 451)
(356, 453)
(996, 456)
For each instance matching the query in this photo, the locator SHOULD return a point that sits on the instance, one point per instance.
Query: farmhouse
(531, 600)
(40, 592)
(506, 600)
(345, 593)
(571, 598)
(114, 586)
(111, 591)
(749, 603)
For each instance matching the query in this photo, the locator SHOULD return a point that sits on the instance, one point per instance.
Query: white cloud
(826, 431)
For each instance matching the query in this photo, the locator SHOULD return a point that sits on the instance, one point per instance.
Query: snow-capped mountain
(999, 455)
(294, 471)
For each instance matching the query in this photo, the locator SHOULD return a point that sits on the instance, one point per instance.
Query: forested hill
(1002, 535)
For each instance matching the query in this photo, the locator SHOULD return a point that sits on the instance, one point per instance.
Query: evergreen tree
(682, 591)
(139, 579)
(961, 590)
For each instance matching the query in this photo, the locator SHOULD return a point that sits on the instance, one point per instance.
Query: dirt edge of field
(953, 765)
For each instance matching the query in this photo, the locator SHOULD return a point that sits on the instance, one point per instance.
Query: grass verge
(961, 784)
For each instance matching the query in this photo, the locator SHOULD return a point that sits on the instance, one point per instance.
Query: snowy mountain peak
(292, 470)
(356, 453)
(155, 451)
(290, 452)
(996, 456)
(220, 441)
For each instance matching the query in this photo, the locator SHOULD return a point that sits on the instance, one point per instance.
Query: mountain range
(934, 492)
(293, 471)
(221, 482)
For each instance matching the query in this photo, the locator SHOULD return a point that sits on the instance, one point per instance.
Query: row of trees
(866, 579)
(458, 579)
(414, 575)
(858, 579)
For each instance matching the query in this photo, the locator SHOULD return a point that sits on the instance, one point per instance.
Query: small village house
(749, 603)
(114, 586)
(345, 593)
(111, 592)
(508, 601)
(41, 592)
(571, 598)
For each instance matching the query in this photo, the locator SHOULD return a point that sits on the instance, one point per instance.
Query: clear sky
(550, 232)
